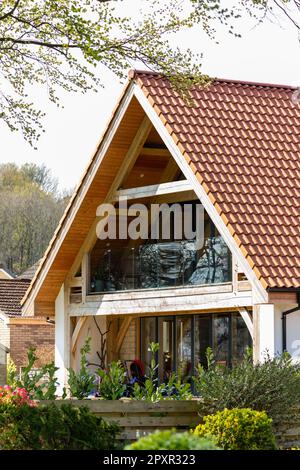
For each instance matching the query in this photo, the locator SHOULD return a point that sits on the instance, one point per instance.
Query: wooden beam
(171, 172)
(155, 152)
(177, 300)
(247, 319)
(131, 156)
(111, 338)
(122, 333)
(76, 332)
(154, 190)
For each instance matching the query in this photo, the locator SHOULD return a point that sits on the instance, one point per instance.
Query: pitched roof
(243, 142)
(11, 293)
(30, 272)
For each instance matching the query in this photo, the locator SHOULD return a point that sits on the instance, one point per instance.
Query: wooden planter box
(139, 418)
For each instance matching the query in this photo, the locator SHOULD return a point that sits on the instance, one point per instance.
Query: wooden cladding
(76, 295)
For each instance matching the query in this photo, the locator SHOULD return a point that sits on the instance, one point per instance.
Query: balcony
(160, 265)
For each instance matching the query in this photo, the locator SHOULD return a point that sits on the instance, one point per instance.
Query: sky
(269, 52)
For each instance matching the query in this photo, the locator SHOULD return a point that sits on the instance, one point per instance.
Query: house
(235, 153)
(17, 332)
(4, 273)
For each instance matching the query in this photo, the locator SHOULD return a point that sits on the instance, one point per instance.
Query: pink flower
(17, 397)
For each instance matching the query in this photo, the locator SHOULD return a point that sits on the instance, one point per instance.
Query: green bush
(82, 383)
(272, 386)
(151, 391)
(40, 384)
(239, 429)
(172, 440)
(112, 384)
(49, 427)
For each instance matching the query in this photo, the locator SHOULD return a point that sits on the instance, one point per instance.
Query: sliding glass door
(202, 338)
(166, 350)
(183, 346)
(184, 340)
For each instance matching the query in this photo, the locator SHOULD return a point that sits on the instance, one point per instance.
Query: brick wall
(128, 348)
(22, 336)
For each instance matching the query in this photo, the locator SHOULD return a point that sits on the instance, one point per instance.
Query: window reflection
(165, 355)
(241, 339)
(183, 347)
(148, 335)
(220, 339)
(202, 339)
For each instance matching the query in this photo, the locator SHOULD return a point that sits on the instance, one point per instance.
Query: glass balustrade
(161, 265)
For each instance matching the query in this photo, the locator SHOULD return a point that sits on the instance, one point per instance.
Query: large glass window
(183, 346)
(241, 338)
(221, 339)
(202, 338)
(166, 350)
(184, 340)
(123, 264)
(148, 335)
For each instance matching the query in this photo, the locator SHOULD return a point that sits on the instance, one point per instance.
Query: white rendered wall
(60, 340)
(264, 331)
(278, 330)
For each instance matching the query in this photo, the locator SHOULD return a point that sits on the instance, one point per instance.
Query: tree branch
(34, 42)
(11, 12)
(297, 25)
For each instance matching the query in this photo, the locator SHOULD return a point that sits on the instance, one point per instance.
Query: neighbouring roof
(243, 142)
(11, 293)
(5, 273)
(30, 272)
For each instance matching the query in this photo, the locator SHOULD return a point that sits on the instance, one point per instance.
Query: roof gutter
(284, 323)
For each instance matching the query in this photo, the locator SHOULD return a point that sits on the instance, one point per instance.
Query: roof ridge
(133, 73)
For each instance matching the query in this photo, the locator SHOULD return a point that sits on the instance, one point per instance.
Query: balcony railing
(161, 265)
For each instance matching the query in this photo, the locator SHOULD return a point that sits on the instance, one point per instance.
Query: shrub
(239, 429)
(174, 389)
(172, 440)
(112, 385)
(272, 386)
(40, 384)
(49, 427)
(81, 384)
(11, 373)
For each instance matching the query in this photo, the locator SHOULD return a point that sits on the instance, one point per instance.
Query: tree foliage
(30, 208)
(59, 43)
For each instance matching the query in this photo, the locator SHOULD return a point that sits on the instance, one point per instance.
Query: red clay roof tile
(244, 141)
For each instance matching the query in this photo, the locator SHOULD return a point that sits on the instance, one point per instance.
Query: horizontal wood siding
(139, 418)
